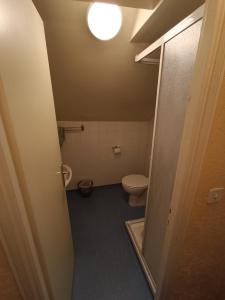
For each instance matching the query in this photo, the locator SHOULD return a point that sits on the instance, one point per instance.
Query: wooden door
(30, 122)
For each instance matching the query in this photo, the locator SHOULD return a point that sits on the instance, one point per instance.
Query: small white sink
(67, 173)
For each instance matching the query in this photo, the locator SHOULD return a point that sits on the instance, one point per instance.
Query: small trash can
(85, 187)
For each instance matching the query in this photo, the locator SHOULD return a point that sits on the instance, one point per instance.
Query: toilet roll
(116, 150)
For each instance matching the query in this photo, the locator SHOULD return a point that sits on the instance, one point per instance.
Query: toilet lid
(135, 181)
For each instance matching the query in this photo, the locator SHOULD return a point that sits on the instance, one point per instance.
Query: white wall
(89, 152)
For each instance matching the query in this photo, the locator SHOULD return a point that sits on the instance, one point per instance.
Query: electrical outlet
(216, 195)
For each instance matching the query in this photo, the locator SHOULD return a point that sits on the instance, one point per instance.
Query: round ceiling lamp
(104, 20)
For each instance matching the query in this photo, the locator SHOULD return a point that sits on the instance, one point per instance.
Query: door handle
(62, 174)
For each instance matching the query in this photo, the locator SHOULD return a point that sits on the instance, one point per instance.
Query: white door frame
(207, 81)
(15, 230)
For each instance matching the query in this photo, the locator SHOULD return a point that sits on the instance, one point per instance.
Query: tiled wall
(89, 152)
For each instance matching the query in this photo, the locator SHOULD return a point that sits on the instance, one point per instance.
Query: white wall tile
(89, 153)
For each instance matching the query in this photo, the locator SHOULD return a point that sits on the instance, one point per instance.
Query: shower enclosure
(176, 53)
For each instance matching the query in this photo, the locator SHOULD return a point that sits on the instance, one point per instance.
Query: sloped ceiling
(95, 80)
(148, 4)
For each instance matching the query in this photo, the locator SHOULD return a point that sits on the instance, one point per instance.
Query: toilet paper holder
(116, 149)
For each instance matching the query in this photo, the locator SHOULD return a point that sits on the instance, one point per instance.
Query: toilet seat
(135, 181)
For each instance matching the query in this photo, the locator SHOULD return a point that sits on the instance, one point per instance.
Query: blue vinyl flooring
(106, 266)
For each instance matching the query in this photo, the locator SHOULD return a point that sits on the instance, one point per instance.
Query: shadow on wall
(89, 153)
(8, 286)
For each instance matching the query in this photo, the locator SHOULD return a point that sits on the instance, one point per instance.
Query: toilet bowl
(136, 186)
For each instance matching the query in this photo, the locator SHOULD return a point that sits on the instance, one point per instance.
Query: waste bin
(85, 187)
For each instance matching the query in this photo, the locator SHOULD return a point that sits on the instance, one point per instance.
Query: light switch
(216, 195)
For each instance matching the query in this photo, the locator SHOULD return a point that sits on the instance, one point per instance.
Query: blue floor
(106, 266)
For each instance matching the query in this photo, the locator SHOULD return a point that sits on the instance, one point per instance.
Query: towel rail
(74, 128)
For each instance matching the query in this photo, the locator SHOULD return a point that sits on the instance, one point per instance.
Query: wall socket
(216, 195)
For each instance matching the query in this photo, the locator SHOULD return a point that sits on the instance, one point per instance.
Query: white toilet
(136, 186)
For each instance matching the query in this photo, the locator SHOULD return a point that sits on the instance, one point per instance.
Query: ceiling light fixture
(104, 20)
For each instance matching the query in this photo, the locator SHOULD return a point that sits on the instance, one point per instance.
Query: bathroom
(107, 136)
(105, 107)
(106, 110)
(106, 122)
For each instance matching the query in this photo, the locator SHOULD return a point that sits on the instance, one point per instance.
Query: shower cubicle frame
(141, 58)
(208, 75)
(183, 25)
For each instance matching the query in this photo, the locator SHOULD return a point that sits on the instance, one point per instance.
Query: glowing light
(104, 20)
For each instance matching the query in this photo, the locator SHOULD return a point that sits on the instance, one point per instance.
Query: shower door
(176, 73)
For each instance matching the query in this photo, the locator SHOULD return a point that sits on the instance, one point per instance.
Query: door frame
(15, 228)
(207, 81)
